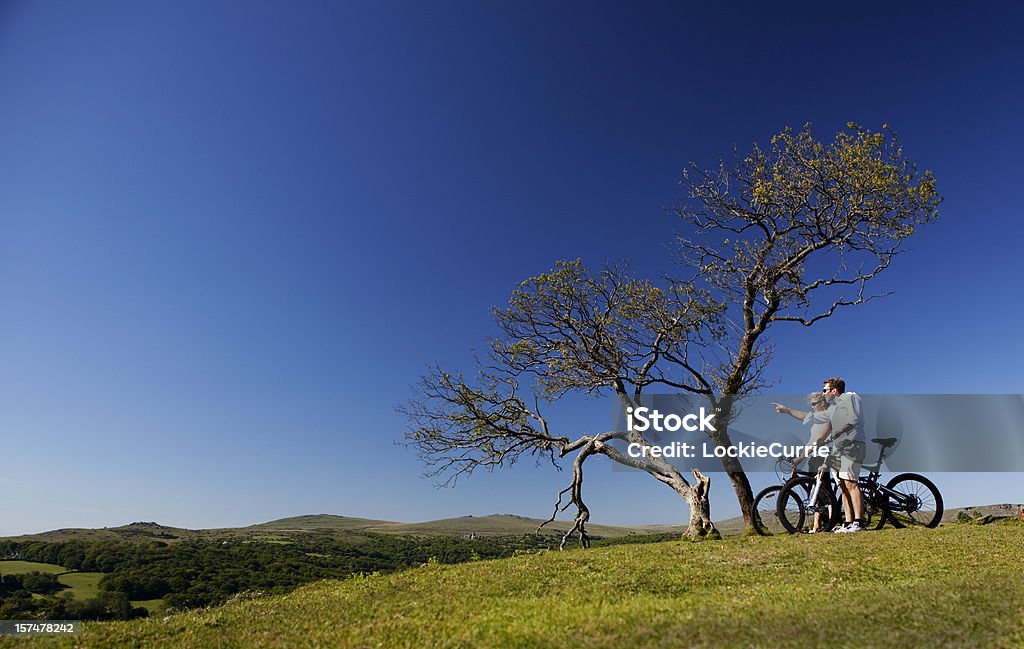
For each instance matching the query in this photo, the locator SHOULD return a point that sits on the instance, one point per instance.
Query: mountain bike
(908, 499)
(766, 521)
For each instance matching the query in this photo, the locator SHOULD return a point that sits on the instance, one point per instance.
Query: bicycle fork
(813, 498)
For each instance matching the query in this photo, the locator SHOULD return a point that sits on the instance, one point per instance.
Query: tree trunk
(733, 468)
(701, 526)
(744, 494)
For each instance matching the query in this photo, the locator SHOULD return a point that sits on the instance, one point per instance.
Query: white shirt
(818, 420)
(846, 411)
(843, 412)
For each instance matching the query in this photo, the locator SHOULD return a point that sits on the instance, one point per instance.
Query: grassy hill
(493, 525)
(350, 528)
(318, 523)
(958, 585)
(131, 532)
(342, 527)
(1010, 510)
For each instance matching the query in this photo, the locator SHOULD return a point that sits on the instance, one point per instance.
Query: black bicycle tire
(871, 522)
(894, 515)
(874, 521)
(768, 493)
(791, 508)
(882, 513)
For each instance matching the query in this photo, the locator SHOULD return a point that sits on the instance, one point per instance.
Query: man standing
(847, 423)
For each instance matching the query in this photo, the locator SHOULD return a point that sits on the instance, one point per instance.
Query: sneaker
(841, 529)
(850, 528)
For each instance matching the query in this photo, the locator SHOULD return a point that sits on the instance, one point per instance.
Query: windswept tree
(790, 233)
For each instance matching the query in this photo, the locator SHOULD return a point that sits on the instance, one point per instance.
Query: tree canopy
(793, 232)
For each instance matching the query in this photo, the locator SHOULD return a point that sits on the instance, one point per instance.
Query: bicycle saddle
(884, 442)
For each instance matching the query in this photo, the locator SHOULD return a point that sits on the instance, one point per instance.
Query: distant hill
(1006, 509)
(137, 530)
(351, 528)
(492, 525)
(319, 523)
(345, 526)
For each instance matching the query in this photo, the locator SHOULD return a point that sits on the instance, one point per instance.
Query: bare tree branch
(794, 232)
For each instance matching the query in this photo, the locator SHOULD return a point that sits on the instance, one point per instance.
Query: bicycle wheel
(766, 519)
(872, 506)
(795, 511)
(913, 501)
(874, 517)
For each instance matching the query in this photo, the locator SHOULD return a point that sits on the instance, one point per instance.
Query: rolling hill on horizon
(337, 525)
(490, 525)
(353, 527)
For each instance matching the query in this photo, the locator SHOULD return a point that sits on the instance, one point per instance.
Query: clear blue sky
(232, 234)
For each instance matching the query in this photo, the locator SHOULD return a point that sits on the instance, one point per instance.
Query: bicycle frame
(873, 493)
(907, 499)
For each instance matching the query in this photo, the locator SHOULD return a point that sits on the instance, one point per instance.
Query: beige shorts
(849, 469)
(850, 461)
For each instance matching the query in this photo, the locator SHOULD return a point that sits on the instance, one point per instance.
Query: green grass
(276, 539)
(154, 606)
(959, 585)
(22, 567)
(84, 585)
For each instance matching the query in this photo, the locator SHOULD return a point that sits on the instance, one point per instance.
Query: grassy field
(154, 606)
(22, 567)
(959, 585)
(84, 585)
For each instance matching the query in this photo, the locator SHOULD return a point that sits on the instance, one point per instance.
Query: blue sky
(232, 235)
